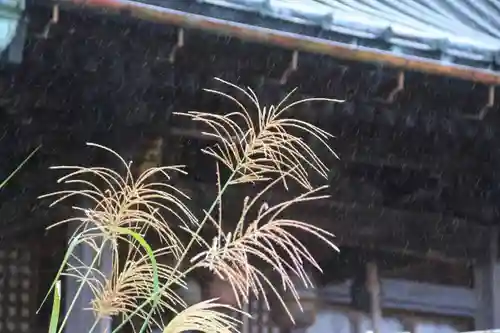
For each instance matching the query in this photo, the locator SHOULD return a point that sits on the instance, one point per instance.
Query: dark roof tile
(461, 29)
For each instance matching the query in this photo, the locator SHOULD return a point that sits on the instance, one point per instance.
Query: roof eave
(287, 40)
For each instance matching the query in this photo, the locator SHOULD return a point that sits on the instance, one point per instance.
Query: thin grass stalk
(94, 325)
(56, 308)
(80, 287)
(71, 246)
(168, 284)
(236, 170)
(19, 167)
(156, 287)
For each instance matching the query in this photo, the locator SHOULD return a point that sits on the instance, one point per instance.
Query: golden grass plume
(258, 144)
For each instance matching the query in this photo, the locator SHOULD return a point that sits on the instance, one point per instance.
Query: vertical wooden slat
(17, 274)
(254, 321)
(486, 284)
(260, 323)
(374, 289)
(245, 320)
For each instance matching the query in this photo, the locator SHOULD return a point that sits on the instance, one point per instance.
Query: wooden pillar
(373, 284)
(80, 320)
(487, 287)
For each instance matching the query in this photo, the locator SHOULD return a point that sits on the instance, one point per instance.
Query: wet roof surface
(449, 30)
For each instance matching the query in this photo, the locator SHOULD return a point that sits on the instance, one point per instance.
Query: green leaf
(56, 308)
(69, 251)
(149, 250)
(9, 177)
(156, 283)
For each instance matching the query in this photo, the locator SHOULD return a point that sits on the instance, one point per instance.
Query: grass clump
(257, 145)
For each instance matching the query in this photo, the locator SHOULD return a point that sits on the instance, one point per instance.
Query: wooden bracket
(292, 67)
(153, 155)
(178, 45)
(399, 88)
(490, 102)
(53, 20)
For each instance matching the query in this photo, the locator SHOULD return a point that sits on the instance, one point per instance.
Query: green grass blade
(71, 247)
(56, 308)
(9, 177)
(149, 250)
(156, 283)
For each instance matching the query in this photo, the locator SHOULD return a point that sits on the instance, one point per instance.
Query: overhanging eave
(287, 40)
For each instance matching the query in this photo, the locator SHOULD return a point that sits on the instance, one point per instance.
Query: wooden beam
(412, 296)
(424, 235)
(361, 150)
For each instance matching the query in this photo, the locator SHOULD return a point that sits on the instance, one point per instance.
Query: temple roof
(453, 38)
(451, 30)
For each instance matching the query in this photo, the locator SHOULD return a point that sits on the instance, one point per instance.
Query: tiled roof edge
(286, 34)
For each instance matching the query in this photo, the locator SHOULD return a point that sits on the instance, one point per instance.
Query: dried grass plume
(258, 144)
